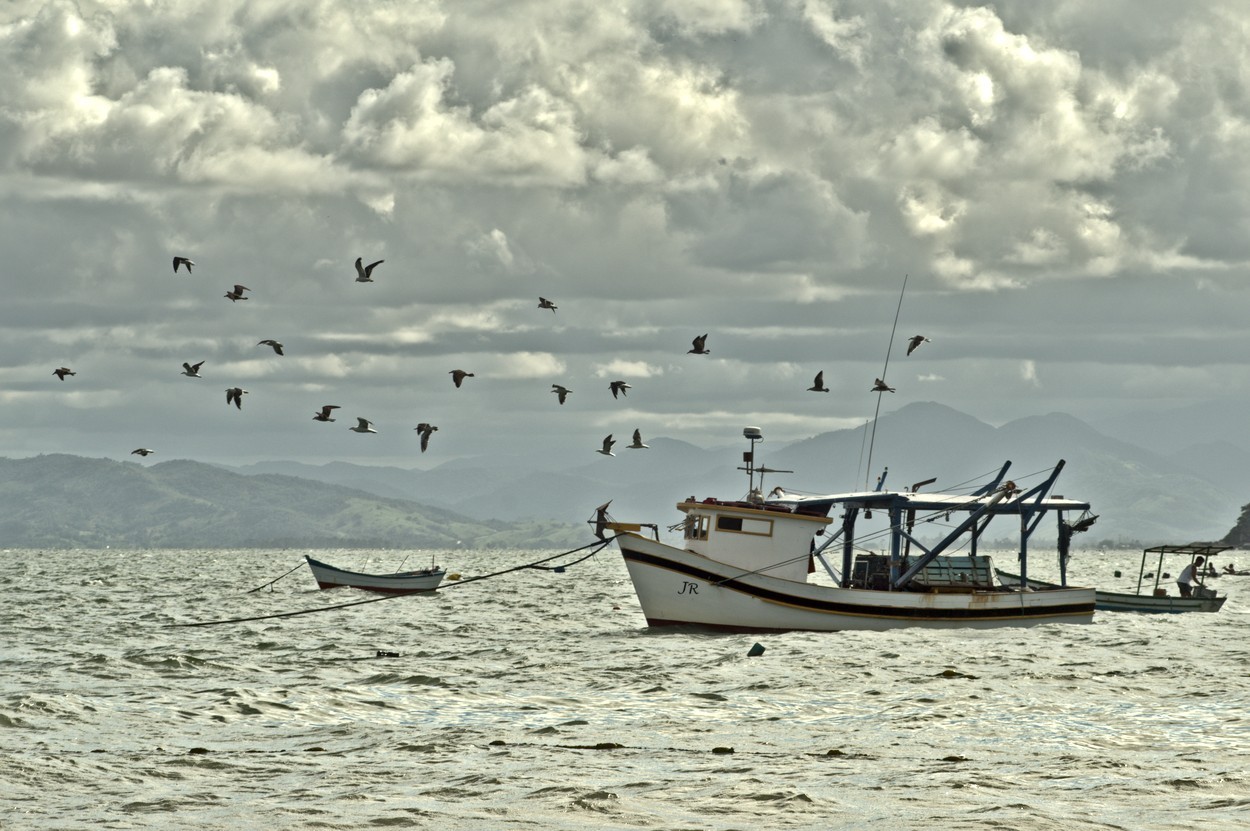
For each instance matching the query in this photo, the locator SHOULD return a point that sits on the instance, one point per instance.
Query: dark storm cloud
(1064, 187)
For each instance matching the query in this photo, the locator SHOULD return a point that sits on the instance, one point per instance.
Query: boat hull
(681, 588)
(404, 582)
(1117, 602)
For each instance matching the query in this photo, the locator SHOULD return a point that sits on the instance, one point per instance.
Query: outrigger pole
(1031, 509)
(999, 495)
(1028, 522)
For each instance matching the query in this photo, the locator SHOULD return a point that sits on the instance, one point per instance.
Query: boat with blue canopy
(747, 565)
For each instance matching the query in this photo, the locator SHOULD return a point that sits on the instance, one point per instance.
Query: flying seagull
(544, 303)
(698, 346)
(234, 396)
(607, 446)
(881, 386)
(425, 430)
(142, 451)
(819, 384)
(182, 261)
(324, 415)
(638, 445)
(364, 273)
(619, 386)
(277, 347)
(192, 370)
(915, 342)
(458, 376)
(61, 372)
(561, 392)
(363, 425)
(237, 293)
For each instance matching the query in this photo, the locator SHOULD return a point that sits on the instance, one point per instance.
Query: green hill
(61, 501)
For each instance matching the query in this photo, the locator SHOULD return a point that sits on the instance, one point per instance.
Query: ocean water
(540, 700)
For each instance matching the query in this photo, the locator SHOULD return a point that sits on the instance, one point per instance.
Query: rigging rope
(597, 545)
(884, 371)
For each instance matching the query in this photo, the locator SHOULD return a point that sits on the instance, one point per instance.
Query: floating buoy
(558, 569)
(1117, 572)
(455, 575)
(382, 653)
(755, 651)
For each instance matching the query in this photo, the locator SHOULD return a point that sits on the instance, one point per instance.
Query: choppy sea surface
(539, 699)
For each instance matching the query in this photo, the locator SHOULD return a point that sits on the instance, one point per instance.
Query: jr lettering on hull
(689, 588)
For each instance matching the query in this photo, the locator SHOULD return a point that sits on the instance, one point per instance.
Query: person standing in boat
(1187, 577)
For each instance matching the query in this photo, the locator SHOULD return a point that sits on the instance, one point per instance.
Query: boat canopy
(930, 502)
(998, 497)
(1193, 549)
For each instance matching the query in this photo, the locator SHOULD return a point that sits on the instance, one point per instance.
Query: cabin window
(745, 525)
(696, 527)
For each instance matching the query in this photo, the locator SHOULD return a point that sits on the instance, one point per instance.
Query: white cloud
(708, 17)
(628, 370)
(527, 365)
(1028, 373)
(630, 167)
(530, 139)
(848, 35)
(494, 247)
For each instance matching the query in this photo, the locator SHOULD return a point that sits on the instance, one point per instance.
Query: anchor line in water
(276, 579)
(563, 566)
(597, 545)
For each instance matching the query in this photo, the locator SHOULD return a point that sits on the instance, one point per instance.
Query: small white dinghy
(400, 582)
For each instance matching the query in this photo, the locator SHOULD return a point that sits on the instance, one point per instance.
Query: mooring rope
(276, 579)
(597, 545)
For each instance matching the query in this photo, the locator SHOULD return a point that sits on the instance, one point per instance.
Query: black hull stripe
(833, 607)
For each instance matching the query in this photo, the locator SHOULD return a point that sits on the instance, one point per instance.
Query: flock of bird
(364, 274)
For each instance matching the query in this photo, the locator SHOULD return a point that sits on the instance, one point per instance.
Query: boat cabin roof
(742, 506)
(1192, 549)
(936, 502)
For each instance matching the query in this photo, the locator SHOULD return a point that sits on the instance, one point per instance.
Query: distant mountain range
(61, 501)
(1142, 496)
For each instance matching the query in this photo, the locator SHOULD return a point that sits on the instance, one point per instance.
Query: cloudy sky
(1064, 187)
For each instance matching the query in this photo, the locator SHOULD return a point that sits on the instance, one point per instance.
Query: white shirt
(1187, 576)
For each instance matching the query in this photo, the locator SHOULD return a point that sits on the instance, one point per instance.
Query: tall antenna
(884, 369)
(755, 494)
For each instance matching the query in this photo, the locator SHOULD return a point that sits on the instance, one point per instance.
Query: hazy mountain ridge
(535, 501)
(62, 501)
(1139, 495)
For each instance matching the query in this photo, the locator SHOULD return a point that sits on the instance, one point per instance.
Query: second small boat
(1155, 599)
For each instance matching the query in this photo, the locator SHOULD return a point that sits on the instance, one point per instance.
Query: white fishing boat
(1156, 598)
(745, 565)
(399, 582)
